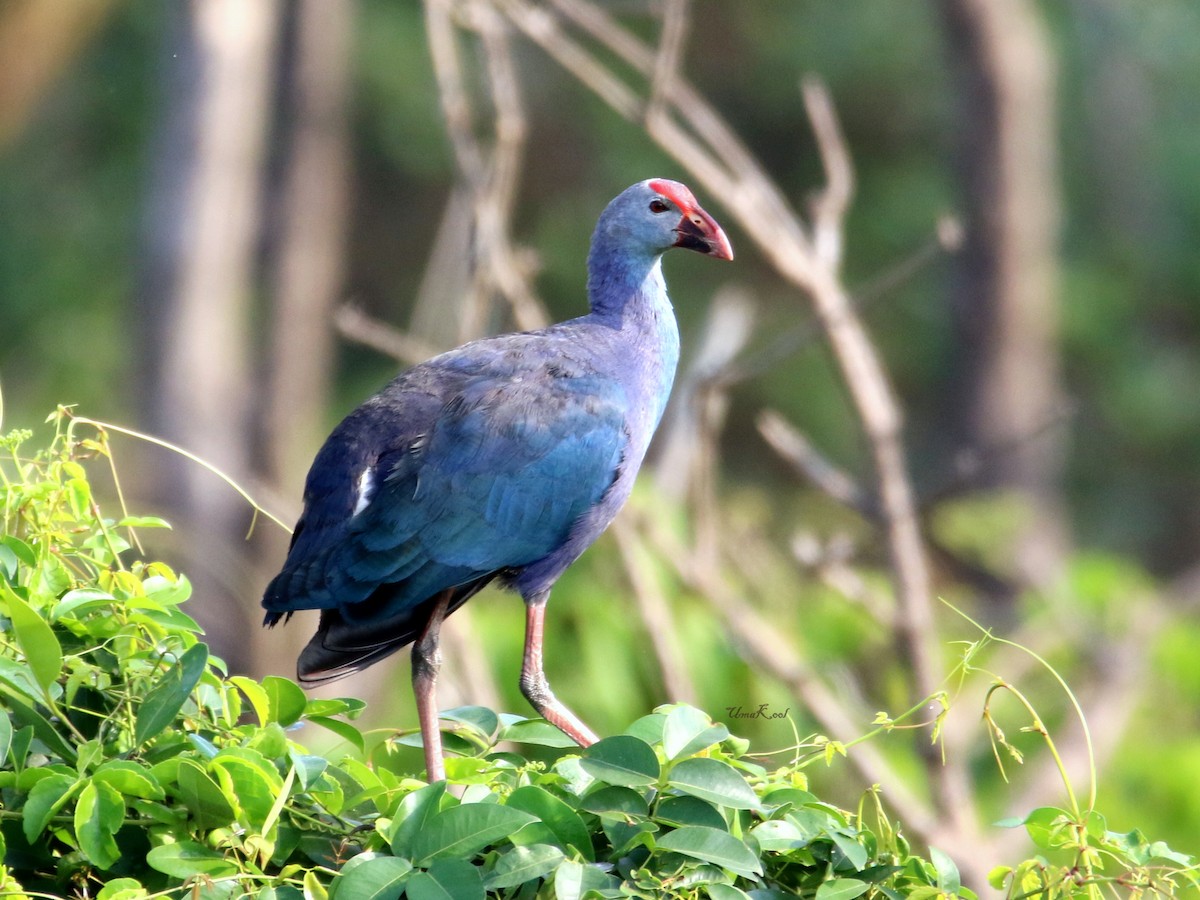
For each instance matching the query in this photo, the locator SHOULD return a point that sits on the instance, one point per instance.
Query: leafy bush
(134, 765)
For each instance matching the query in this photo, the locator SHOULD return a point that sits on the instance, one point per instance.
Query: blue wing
(456, 472)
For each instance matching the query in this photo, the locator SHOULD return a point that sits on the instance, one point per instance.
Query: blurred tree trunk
(1007, 393)
(309, 196)
(307, 255)
(201, 233)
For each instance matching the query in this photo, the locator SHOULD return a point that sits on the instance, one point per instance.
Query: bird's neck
(628, 294)
(624, 289)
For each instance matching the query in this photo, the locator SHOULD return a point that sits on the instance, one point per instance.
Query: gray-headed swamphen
(502, 459)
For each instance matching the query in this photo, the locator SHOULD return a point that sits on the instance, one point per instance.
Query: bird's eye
(658, 205)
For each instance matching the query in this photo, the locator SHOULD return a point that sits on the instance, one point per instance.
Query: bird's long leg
(535, 687)
(426, 661)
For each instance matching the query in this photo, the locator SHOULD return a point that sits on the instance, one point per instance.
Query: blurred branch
(830, 562)
(795, 449)
(810, 464)
(768, 648)
(687, 458)
(656, 614)
(946, 238)
(355, 325)
(830, 206)
(488, 176)
(670, 50)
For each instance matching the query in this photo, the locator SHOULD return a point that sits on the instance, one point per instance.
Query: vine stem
(186, 454)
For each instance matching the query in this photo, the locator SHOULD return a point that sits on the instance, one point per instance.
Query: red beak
(699, 231)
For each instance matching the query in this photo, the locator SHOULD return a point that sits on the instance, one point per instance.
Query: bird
(501, 460)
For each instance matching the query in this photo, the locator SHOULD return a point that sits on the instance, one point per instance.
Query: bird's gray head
(657, 214)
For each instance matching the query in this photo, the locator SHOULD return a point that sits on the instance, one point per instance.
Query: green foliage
(132, 765)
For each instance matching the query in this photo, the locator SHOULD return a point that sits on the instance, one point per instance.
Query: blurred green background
(1076, 529)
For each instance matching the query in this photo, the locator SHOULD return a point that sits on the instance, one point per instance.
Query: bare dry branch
(355, 325)
(768, 649)
(656, 615)
(795, 449)
(494, 205)
(489, 175)
(831, 205)
(455, 102)
(670, 50)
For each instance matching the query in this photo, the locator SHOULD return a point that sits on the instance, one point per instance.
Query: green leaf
(286, 700)
(344, 730)
(410, 817)
(368, 877)
(21, 550)
(779, 834)
(129, 778)
(143, 522)
(203, 797)
(689, 811)
(725, 892)
(621, 760)
(79, 496)
(998, 875)
(522, 864)
(80, 600)
(45, 799)
(187, 858)
(17, 678)
(334, 706)
(462, 831)
(43, 730)
(573, 879)
(478, 719)
(619, 803)
(6, 736)
(310, 768)
(855, 853)
(538, 732)
(256, 695)
(447, 879)
(842, 889)
(568, 828)
(36, 639)
(949, 880)
(713, 846)
(714, 781)
(687, 730)
(99, 815)
(122, 889)
(8, 563)
(649, 728)
(252, 783)
(167, 591)
(1045, 827)
(19, 751)
(164, 701)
